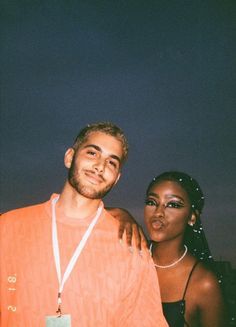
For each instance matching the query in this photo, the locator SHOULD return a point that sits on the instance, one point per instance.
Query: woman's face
(167, 211)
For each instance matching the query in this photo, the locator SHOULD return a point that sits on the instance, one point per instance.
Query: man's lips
(93, 177)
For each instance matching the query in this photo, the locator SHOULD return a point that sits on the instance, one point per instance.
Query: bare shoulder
(207, 290)
(205, 280)
(206, 297)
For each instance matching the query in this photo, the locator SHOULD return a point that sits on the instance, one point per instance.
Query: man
(61, 263)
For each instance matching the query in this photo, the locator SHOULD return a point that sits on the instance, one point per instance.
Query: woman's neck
(165, 253)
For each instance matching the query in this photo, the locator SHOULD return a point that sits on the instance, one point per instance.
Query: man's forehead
(104, 143)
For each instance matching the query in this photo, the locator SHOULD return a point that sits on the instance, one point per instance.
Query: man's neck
(75, 205)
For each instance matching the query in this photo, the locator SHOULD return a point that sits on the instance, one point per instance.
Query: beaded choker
(173, 263)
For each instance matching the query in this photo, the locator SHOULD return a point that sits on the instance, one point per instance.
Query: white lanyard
(76, 254)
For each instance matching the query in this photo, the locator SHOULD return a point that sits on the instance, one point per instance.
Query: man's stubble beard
(86, 191)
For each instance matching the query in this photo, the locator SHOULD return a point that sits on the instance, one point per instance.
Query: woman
(190, 292)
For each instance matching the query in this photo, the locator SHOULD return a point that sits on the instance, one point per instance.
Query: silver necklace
(173, 263)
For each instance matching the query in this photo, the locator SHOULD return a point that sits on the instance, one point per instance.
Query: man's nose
(100, 165)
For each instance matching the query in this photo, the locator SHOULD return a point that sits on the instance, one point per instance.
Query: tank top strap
(189, 277)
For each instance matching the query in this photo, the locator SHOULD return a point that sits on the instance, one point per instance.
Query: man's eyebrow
(96, 147)
(113, 156)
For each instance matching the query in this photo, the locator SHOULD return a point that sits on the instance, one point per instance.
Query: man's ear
(69, 157)
(117, 178)
(193, 218)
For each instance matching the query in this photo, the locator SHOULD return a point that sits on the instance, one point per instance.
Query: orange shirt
(108, 286)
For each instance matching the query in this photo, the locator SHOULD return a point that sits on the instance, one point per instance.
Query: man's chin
(90, 191)
(92, 194)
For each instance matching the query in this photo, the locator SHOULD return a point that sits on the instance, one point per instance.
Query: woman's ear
(69, 157)
(193, 218)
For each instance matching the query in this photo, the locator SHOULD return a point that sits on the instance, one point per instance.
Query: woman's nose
(160, 210)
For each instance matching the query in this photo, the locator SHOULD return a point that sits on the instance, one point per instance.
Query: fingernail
(121, 241)
(141, 253)
(131, 250)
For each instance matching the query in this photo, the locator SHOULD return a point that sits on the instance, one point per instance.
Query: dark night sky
(164, 71)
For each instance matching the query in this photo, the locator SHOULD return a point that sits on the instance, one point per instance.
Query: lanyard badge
(62, 321)
(73, 260)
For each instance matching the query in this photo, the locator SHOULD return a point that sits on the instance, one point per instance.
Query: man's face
(95, 167)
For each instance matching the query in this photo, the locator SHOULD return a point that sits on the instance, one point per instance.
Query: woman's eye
(150, 202)
(173, 204)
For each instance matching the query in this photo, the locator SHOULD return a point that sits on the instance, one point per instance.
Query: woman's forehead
(168, 186)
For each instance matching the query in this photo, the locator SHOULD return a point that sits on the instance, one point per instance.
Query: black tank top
(174, 311)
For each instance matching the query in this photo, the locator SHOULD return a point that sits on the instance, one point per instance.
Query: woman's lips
(157, 224)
